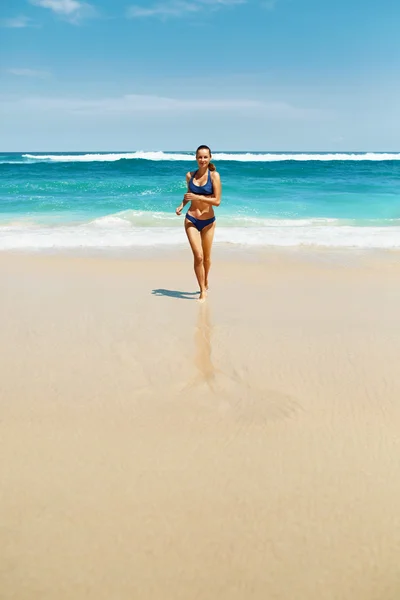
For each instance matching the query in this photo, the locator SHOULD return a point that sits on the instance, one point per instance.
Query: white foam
(110, 221)
(241, 157)
(12, 162)
(113, 234)
(140, 218)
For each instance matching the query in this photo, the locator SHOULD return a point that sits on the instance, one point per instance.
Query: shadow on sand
(176, 294)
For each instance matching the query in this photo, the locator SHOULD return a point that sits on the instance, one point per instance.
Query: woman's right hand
(179, 210)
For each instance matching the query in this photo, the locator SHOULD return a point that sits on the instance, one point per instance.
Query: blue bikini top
(205, 190)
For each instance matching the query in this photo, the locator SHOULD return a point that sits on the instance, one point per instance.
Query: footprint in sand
(232, 393)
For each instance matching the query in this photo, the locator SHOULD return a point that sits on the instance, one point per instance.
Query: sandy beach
(160, 449)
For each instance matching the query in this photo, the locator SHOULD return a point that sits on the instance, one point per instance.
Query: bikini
(202, 190)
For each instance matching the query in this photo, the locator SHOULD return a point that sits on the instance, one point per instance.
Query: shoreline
(221, 251)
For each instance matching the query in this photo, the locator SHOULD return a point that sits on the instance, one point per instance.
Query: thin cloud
(170, 9)
(29, 73)
(71, 10)
(178, 8)
(269, 4)
(134, 104)
(17, 22)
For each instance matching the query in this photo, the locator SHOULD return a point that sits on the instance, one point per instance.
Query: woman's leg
(207, 236)
(195, 244)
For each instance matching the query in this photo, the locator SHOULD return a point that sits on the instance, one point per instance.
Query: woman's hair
(211, 165)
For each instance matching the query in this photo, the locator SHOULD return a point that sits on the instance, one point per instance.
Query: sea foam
(223, 156)
(117, 232)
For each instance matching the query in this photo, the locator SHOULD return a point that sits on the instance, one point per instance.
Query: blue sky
(171, 74)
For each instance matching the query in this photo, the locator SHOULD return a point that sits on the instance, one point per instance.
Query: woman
(204, 192)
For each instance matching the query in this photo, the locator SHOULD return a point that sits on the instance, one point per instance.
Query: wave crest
(130, 229)
(222, 156)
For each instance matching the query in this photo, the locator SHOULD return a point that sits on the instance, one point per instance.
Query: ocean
(124, 200)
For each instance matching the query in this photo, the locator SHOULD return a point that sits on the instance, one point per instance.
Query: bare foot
(202, 297)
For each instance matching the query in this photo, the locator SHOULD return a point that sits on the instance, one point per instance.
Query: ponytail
(211, 165)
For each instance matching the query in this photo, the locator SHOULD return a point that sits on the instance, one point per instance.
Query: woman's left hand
(189, 197)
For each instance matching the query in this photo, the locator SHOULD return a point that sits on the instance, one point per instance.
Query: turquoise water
(121, 200)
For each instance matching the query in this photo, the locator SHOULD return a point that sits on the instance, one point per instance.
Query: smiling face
(203, 158)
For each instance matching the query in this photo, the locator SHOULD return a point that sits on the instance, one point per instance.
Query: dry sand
(155, 448)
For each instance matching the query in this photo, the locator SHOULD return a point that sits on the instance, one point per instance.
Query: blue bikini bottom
(200, 223)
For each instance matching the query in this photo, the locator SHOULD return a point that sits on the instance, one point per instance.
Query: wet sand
(153, 447)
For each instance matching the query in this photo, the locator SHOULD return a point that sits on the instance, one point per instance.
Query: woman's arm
(184, 201)
(215, 199)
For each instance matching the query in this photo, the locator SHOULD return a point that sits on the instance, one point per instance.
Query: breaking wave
(240, 157)
(130, 229)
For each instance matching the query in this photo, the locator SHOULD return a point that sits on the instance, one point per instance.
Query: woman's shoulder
(215, 175)
(190, 174)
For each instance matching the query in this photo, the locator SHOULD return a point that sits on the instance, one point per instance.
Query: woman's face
(203, 158)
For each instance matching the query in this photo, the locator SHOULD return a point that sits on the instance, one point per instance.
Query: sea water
(122, 200)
